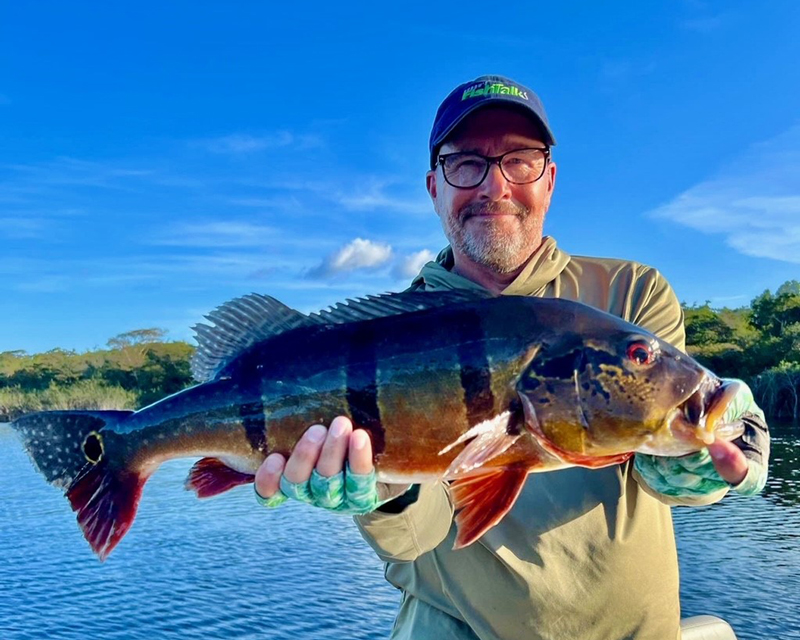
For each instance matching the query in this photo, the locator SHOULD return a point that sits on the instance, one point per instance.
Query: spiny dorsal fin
(239, 324)
(390, 304)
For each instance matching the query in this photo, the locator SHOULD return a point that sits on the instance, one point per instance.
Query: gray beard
(499, 251)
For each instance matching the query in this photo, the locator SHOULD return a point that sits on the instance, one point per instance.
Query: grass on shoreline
(84, 394)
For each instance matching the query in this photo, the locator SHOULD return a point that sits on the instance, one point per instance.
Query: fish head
(602, 392)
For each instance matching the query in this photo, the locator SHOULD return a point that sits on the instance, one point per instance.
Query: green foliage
(778, 390)
(137, 337)
(138, 369)
(704, 326)
(760, 344)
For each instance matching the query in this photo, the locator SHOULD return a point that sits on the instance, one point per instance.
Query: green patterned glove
(347, 492)
(694, 475)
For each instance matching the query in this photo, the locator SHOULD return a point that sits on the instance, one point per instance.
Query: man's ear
(550, 174)
(430, 182)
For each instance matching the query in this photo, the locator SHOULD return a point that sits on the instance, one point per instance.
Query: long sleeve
(418, 528)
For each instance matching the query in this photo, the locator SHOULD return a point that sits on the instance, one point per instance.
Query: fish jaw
(696, 422)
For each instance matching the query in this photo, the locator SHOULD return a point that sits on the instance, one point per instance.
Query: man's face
(496, 224)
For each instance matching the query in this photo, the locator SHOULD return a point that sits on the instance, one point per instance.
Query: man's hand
(328, 468)
(744, 463)
(741, 464)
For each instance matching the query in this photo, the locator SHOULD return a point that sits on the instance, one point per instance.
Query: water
(224, 569)
(740, 558)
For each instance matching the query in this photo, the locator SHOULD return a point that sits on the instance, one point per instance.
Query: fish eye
(641, 353)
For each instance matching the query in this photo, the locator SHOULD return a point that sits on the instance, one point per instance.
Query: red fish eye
(640, 353)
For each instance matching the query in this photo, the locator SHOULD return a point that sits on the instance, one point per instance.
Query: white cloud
(358, 254)
(754, 201)
(265, 203)
(374, 197)
(22, 228)
(409, 266)
(67, 172)
(243, 143)
(216, 234)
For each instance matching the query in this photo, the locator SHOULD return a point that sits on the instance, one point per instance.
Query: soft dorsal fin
(390, 304)
(239, 324)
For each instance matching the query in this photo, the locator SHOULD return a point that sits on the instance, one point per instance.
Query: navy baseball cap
(482, 92)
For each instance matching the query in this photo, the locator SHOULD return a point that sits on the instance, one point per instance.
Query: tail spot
(93, 447)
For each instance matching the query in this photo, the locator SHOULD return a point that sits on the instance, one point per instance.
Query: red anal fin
(106, 502)
(483, 499)
(210, 477)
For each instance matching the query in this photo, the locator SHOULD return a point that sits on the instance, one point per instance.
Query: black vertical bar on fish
(476, 379)
(254, 421)
(362, 384)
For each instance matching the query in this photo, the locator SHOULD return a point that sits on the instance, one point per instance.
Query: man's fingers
(305, 455)
(334, 451)
(729, 461)
(360, 452)
(268, 476)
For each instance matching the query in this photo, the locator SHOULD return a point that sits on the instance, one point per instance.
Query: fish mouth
(698, 419)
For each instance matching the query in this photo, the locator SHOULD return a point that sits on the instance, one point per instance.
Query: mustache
(492, 208)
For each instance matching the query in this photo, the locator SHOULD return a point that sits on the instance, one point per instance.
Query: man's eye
(467, 163)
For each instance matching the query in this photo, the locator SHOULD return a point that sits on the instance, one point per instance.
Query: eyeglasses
(466, 170)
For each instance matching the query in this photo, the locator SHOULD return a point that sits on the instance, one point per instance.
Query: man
(583, 553)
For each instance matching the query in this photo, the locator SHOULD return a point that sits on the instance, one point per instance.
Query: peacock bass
(475, 389)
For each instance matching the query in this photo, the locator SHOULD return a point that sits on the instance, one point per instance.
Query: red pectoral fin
(483, 499)
(210, 477)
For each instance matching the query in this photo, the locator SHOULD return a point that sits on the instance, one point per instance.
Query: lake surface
(224, 568)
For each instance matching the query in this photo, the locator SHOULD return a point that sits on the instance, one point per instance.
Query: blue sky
(158, 159)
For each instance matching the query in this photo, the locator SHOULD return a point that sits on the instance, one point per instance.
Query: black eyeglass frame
(490, 160)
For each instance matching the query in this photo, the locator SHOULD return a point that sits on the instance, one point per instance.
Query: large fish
(475, 389)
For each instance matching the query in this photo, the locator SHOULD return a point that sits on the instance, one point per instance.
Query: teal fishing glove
(694, 475)
(346, 492)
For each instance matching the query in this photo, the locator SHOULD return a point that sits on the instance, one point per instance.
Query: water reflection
(783, 486)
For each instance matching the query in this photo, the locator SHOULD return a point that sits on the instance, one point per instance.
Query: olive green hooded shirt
(582, 554)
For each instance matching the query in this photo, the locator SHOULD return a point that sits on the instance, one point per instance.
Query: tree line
(136, 369)
(759, 343)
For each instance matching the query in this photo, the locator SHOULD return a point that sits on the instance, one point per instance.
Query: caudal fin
(74, 451)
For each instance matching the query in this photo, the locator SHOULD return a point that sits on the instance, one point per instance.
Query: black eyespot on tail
(93, 447)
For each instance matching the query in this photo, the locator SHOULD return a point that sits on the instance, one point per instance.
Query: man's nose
(495, 186)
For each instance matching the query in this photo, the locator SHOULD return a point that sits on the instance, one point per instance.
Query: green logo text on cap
(495, 88)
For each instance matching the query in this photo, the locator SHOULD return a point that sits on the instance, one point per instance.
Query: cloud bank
(754, 202)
